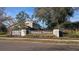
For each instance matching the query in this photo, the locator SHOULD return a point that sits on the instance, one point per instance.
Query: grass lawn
(63, 41)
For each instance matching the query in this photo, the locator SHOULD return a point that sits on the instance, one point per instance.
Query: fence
(40, 32)
(16, 33)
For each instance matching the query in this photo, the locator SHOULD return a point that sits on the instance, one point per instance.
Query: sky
(12, 11)
(75, 17)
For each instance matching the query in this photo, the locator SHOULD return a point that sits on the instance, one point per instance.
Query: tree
(50, 25)
(21, 18)
(56, 15)
(3, 28)
(4, 19)
(1, 14)
(8, 21)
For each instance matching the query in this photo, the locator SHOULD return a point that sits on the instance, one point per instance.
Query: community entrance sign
(19, 32)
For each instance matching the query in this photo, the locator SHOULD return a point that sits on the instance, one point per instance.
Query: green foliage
(21, 18)
(72, 33)
(2, 11)
(56, 15)
(45, 36)
(50, 25)
(36, 26)
(3, 33)
(3, 28)
(71, 25)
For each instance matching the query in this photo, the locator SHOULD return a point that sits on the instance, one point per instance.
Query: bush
(2, 33)
(46, 36)
(72, 34)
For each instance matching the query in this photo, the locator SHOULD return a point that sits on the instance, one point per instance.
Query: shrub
(72, 34)
(46, 36)
(2, 33)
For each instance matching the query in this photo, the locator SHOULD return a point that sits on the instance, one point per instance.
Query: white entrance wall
(23, 32)
(16, 32)
(56, 32)
(19, 32)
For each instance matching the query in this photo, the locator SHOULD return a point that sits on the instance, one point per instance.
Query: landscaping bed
(69, 34)
(72, 34)
(64, 41)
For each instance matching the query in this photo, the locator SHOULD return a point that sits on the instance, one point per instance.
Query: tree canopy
(21, 18)
(52, 15)
(2, 26)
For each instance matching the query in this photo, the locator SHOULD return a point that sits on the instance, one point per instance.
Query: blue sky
(75, 16)
(12, 11)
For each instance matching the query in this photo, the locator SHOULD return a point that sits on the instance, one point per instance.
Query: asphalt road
(13, 45)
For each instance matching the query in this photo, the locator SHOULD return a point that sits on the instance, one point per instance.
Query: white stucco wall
(23, 32)
(56, 32)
